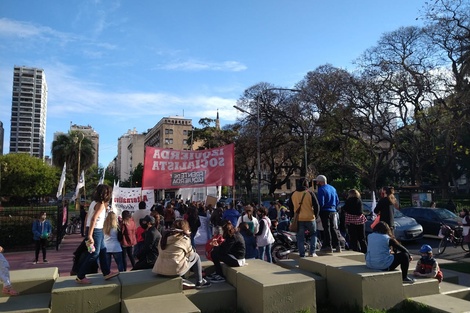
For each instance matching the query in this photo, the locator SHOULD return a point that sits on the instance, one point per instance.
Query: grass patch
(405, 306)
(463, 267)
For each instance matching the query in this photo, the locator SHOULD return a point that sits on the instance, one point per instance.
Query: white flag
(62, 181)
(81, 183)
(374, 204)
(101, 182)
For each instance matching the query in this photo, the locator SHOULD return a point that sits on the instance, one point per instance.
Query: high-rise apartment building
(28, 111)
(130, 153)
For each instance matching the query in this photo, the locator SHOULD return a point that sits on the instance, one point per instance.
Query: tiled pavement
(62, 258)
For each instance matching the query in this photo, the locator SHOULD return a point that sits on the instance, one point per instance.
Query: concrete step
(39, 280)
(171, 303)
(99, 296)
(33, 303)
(443, 303)
(219, 296)
(144, 283)
(421, 287)
(455, 290)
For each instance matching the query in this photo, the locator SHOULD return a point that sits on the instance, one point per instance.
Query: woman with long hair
(111, 241)
(386, 206)
(95, 237)
(129, 239)
(378, 254)
(176, 255)
(264, 237)
(250, 219)
(355, 221)
(231, 251)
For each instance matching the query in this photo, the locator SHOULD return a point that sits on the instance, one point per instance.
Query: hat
(149, 219)
(321, 178)
(425, 249)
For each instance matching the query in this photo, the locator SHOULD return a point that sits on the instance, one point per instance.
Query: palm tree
(65, 149)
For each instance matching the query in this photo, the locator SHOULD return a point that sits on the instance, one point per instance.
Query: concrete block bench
(358, 285)
(144, 283)
(320, 282)
(34, 303)
(170, 303)
(33, 281)
(455, 290)
(421, 287)
(218, 297)
(443, 303)
(100, 296)
(264, 287)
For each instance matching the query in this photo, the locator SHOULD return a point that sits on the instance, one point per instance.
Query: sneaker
(314, 255)
(45, 261)
(203, 284)
(188, 284)
(35, 262)
(408, 280)
(111, 275)
(83, 281)
(217, 279)
(10, 291)
(338, 249)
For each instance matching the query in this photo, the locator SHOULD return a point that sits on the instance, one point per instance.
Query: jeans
(195, 266)
(128, 251)
(265, 250)
(99, 254)
(218, 257)
(330, 235)
(117, 258)
(311, 226)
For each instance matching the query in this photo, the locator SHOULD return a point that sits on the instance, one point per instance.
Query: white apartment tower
(28, 111)
(130, 153)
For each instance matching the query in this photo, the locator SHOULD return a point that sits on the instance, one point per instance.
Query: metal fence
(16, 225)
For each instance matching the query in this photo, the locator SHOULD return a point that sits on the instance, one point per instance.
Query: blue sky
(116, 65)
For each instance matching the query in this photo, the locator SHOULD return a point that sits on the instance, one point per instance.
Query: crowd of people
(162, 238)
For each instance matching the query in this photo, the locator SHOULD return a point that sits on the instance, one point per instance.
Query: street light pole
(77, 201)
(258, 146)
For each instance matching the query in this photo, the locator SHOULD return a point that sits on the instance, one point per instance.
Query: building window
(169, 131)
(169, 141)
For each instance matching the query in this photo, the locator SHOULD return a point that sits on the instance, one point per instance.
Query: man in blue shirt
(328, 200)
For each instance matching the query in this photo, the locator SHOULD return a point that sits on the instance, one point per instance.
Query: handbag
(294, 225)
(375, 222)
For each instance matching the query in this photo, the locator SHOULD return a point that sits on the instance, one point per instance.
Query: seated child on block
(427, 266)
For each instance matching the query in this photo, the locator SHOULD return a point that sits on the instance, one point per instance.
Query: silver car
(406, 228)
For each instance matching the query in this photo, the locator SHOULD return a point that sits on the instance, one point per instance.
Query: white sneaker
(312, 255)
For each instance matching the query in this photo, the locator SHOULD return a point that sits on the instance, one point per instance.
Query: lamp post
(258, 147)
(79, 140)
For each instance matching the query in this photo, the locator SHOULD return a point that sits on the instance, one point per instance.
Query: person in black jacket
(149, 252)
(355, 221)
(231, 251)
(386, 207)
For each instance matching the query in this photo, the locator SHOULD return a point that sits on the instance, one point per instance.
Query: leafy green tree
(24, 177)
(66, 148)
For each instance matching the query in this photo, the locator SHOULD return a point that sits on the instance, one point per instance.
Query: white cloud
(194, 65)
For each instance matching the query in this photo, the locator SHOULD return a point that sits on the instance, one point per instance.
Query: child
(427, 266)
(5, 276)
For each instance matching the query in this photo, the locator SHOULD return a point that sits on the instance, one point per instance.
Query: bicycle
(73, 226)
(451, 236)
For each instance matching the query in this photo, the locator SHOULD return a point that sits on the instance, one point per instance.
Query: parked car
(406, 228)
(432, 218)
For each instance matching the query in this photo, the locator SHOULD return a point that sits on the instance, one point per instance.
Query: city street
(451, 253)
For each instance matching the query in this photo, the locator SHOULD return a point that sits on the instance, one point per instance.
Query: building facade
(170, 133)
(130, 153)
(28, 111)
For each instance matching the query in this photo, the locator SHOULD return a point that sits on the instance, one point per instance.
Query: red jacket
(128, 229)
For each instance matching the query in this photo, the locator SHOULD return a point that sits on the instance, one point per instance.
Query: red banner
(173, 169)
